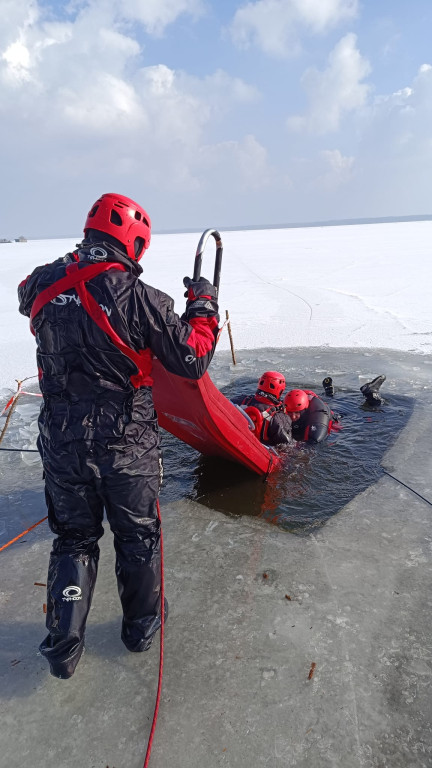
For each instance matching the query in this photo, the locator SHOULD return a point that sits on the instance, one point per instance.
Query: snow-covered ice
(346, 286)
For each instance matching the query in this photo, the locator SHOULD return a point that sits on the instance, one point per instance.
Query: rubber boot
(370, 391)
(70, 585)
(139, 644)
(328, 386)
(62, 657)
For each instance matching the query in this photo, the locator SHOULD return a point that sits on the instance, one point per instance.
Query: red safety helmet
(123, 219)
(272, 382)
(296, 400)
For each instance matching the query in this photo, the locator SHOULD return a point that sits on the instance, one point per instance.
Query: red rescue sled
(201, 416)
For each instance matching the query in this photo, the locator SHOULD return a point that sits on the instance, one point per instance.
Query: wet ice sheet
(238, 652)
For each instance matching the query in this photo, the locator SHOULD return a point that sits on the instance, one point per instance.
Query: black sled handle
(199, 254)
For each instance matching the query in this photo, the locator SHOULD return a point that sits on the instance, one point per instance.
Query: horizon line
(293, 225)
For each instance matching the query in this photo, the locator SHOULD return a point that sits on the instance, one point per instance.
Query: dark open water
(316, 481)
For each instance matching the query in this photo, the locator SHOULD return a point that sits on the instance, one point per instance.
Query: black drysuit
(276, 425)
(315, 421)
(99, 440)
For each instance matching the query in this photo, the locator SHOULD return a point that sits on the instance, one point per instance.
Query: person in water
(302, 415)
(265, 408)
(311, 418)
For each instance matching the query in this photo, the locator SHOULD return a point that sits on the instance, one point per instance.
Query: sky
(214, 113)
(329, 287)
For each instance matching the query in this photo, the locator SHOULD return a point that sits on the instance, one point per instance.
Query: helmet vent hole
(93, 211)
(116, 219)
(137, 215)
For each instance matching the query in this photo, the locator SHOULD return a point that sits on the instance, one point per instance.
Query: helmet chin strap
(267, 396)
(139, 247)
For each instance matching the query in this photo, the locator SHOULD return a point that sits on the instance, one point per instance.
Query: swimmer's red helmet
(296, 400)
(272, 383)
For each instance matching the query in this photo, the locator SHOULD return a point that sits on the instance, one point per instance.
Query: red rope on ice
(22, 534)
(159, 689)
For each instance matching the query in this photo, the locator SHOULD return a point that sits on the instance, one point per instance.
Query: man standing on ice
(97, 327)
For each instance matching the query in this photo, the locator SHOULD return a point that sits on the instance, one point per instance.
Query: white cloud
(16, 15)
(160, 79)
(17, 58)
(88, 72)
(320, 15)
(245, 163)
(98, 28)
(253, 163)
(386, 172)
(176, 117)
(220, 91)
(394, 154)
(338, 169)
(232, 88)
(156, 15)
(105, 105)
(335, 91)
(275, 26)
(78, 106)
(402, 121)
(82, 109)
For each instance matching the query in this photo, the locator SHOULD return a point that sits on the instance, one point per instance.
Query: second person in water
(301, 415)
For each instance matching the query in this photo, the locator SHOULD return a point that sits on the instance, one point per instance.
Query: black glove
(201, 299)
